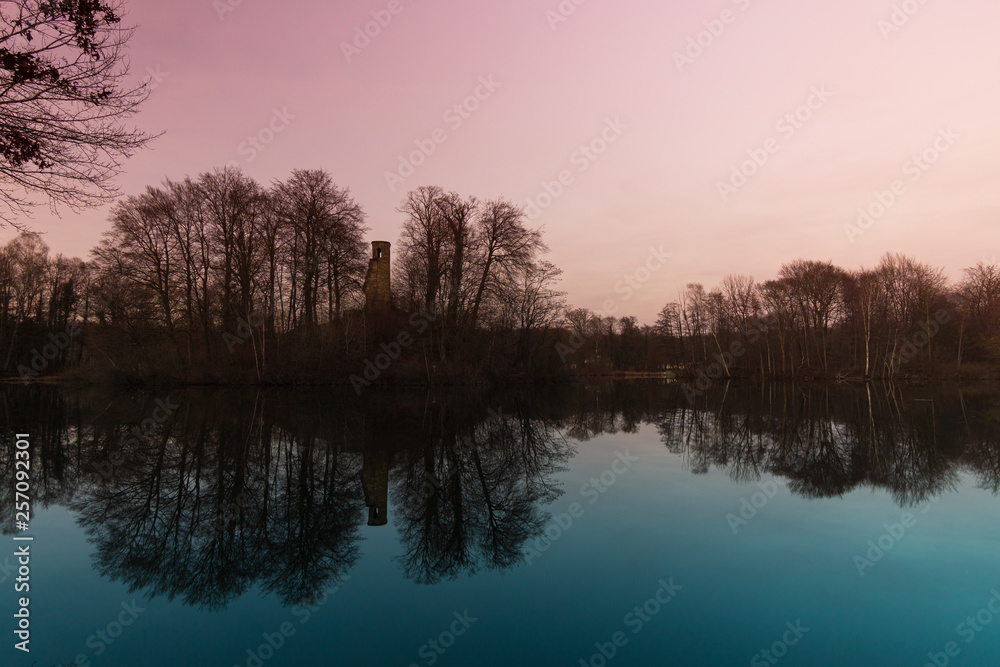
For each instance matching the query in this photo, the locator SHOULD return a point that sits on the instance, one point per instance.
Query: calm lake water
(599, 524)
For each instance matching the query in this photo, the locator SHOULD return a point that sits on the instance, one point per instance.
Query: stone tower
(377, 278)
(375, 484)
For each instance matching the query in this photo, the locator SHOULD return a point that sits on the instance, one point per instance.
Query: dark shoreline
(516, 381)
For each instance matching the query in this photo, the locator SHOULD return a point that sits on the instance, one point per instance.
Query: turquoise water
(609, 526)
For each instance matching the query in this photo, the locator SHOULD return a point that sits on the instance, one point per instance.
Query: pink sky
(656, 185)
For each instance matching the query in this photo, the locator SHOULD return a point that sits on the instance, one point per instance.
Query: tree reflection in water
(275, 490)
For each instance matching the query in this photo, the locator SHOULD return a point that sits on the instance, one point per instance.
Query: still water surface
(608, 524)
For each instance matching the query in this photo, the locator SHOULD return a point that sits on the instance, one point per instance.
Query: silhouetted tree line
(218, 278)
(900, 319)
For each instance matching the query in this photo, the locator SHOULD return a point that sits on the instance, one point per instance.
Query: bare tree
(23, 269)
(816, 288)
(140, 247)
(188, 216)
(457, 214)
(865, 301)
(344, 253)
(534, 307)
(325, 237)
(979, 295)
(65, 92)
(912, 290)
(778, 301)
(422, 241)
(505, 247)
(234, 205)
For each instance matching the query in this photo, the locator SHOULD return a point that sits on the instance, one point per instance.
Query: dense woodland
(219, 279)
